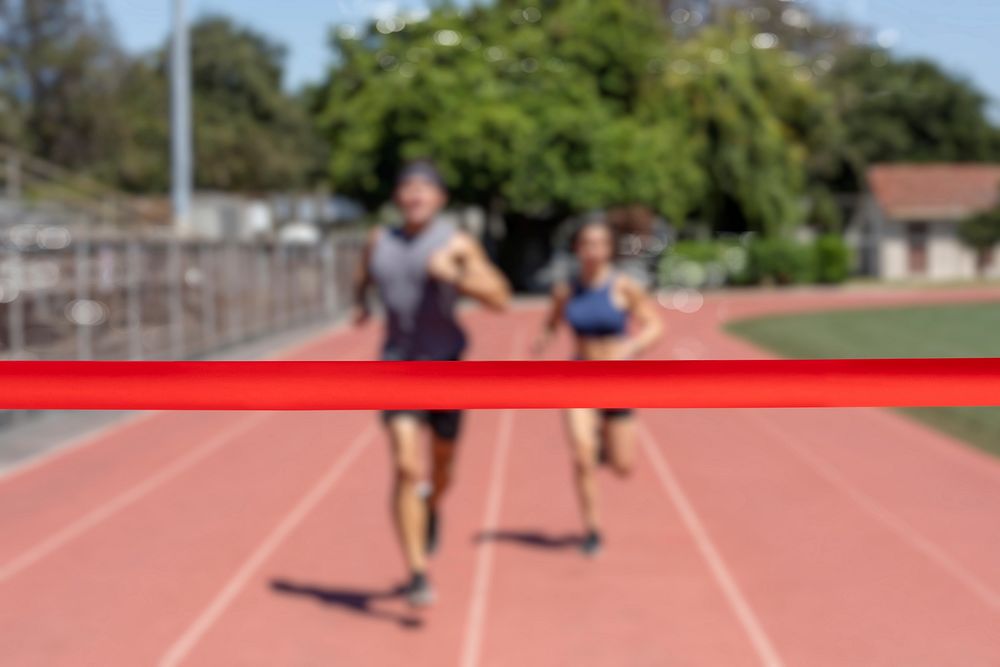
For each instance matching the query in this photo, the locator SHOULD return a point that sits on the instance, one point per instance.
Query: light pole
(180, 177)
(180, 118)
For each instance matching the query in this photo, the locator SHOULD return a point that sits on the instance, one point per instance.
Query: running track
(849, 537)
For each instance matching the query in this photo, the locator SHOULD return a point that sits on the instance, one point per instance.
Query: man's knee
(408, 473)
(584, 463)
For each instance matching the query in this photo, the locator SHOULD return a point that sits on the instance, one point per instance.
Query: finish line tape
(376, 385)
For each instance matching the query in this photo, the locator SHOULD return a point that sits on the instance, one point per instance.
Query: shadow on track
(534, 539)
(351, 599)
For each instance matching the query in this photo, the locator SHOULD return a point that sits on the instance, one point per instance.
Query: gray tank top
(420, 311)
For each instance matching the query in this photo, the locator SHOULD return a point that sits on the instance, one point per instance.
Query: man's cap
(423, 169)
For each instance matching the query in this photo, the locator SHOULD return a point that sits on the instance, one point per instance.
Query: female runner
(599, 306)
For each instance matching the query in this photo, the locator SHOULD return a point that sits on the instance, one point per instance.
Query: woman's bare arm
(553, 318)
(644, 312)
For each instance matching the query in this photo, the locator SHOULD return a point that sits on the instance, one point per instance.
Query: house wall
(947, 257)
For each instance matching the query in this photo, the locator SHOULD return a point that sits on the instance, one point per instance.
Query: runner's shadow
(534, 539)
(354, 600)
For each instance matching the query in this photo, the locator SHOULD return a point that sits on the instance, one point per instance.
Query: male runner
(419, 271)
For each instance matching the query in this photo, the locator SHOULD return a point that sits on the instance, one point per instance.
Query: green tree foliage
(833, 259)
(249, 134)
(557, 107)
(981, 232)
(143, 163)
(545, 108)
(797, 26)
(60, 68)
(740, 115)
(758, 123)
(907, 110)
(70, 95)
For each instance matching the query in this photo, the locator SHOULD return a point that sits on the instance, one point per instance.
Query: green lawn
(963, 330)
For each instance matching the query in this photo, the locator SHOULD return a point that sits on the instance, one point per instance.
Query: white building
(907, 225)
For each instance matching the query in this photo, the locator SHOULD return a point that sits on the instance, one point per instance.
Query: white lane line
(135, 493)
(896, 525)
(81, 442)
(108, 509)
(475, 618)
(745, 614)
(75, 443)
(942, 444)
(181, 648)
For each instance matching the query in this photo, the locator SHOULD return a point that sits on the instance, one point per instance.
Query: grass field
(963, 330)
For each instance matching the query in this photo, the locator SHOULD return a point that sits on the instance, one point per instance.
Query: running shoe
(432, 538)
(591, 545)
(419, 592)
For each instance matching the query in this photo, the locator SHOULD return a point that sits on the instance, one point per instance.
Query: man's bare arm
(363, 280)
(465, 265)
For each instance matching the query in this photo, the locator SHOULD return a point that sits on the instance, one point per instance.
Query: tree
(981, 232)
(758, 125)
(68, 94)
(906, 110)
(249, 134)
(538, 105)
(60, 67)
(797, 27)
(143, 159)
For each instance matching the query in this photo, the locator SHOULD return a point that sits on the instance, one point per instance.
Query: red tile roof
(934, 191)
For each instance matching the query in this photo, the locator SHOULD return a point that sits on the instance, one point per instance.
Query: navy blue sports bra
(592, 313)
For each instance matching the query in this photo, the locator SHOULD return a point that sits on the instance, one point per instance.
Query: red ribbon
(366, 385)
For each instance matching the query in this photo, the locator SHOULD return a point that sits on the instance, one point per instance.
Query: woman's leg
(581, 425)
(619, 438)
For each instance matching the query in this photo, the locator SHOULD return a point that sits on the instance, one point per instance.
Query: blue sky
(964, 35)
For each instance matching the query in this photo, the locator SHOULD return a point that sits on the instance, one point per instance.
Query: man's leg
(444, 428)
(408, 507)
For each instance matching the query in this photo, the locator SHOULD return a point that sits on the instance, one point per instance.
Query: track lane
(103, 473)
(129, 587)
(649, 599)
(816, 534)
(328, 594)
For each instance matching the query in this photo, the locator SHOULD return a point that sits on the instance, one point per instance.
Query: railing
(115, 297)
(24, 178)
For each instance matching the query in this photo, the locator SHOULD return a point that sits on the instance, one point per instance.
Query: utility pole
(181, 170)
(180, 118)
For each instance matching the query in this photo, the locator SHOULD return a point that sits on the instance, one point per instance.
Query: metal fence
(67, 296)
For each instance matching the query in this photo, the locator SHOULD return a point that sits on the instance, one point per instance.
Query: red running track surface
(764, 537)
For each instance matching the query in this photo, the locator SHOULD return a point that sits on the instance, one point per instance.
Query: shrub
(832, 259)
(778, 261)
(702, 263)
(759, 261)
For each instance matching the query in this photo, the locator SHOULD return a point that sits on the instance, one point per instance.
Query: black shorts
(445, 424)
(616, 413)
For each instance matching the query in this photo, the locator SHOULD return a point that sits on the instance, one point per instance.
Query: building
(906, 228)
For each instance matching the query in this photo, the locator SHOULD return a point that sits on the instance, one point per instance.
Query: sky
(963, 35)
